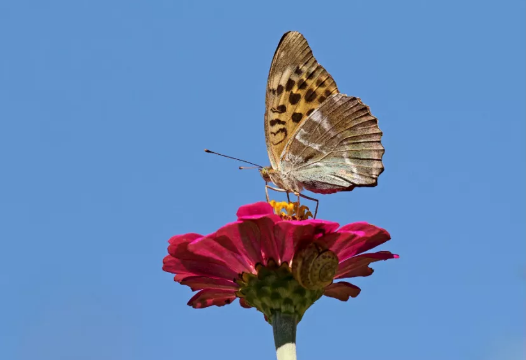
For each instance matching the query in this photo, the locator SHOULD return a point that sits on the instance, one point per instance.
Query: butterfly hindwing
(297, 85)
(336, 148)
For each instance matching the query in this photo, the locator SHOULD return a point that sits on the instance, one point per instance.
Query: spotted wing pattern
(336, 148)
(296, 86)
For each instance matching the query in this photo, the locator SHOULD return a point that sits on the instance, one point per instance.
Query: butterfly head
(265, 173)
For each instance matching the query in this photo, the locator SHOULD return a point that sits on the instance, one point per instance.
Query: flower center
(291, 211)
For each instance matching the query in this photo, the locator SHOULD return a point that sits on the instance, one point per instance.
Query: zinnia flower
(279, 266)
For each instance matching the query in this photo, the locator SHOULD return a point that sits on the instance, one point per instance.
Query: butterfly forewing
(336, 148)
(297, 85)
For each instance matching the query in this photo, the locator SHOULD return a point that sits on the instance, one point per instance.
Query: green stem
(284, 328)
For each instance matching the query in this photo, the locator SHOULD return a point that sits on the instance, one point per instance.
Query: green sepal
(274, 290)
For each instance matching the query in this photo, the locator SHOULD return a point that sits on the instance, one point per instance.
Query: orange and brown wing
(297, 85)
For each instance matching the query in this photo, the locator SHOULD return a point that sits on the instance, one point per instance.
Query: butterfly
(317, 138)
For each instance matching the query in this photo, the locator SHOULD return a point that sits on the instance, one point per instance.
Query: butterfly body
(283, 179)
(317, 138)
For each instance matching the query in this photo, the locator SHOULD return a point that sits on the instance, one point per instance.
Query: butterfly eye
(264, 174)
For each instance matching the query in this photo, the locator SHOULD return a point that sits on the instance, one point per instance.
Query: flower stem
(284, 328)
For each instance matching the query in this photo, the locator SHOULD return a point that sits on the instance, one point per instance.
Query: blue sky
(106, 107)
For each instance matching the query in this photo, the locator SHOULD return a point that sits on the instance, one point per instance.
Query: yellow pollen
(293, 210)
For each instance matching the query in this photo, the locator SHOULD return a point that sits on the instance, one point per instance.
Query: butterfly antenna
(248, 167)
(230, 157)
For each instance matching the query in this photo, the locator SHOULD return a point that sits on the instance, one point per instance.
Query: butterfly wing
(296, 86)
(336, 148)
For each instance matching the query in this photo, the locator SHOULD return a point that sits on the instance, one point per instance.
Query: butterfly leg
(309, 198)
(275, 189)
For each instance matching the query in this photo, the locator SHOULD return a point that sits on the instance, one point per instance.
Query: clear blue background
(106, 107)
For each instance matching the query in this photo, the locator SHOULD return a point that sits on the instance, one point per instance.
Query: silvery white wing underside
(337, 148)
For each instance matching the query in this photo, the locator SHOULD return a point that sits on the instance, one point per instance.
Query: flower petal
(180, 276)
(178, 247)
(354, 239)
(291, 236)
(192, 249)
(268, 244)
(359, 265)
(341, 290)
(209, 297)
(176, 240)
(255, 211)
(242, 237)
(201, 282)
(222, 250)
(262, 215)
(197, 268)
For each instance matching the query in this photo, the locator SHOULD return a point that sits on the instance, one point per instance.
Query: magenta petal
(242, 237)
(284, 243)
(294, 235)
(170, 264)
(347, 243)
(269, 246)
(197, 268)
(211, 250)
(180, 276)
(221, 250)
(371, 235)
(178, 248)
(262, 216)
(177, 241)
(200, 282)
(359, 265)
(341, 290)
(255, 211)
(322, 226)
(355, 226)
(209, 297)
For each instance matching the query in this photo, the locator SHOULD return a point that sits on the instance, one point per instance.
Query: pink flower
(274, 264)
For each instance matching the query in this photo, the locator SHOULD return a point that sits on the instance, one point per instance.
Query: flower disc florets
(275, 290)
(293, 210)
